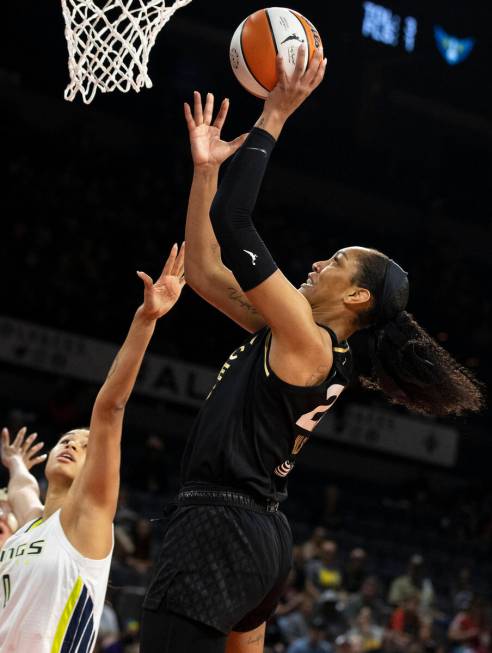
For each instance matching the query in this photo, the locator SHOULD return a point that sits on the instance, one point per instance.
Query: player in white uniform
(19, 502)
(54, 569)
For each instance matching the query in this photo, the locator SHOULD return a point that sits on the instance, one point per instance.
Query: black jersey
(253, 425)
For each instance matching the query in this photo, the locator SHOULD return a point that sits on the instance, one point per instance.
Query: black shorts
(166, 632)
(222, 566)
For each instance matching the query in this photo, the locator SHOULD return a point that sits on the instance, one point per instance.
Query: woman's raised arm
(88, 513)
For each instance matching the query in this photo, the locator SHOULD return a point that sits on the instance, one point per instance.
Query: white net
(109, 43)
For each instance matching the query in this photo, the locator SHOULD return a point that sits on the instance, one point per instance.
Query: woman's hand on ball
(207, 148)
(290, 92)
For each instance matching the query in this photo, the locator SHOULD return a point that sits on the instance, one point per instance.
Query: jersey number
(6, 588)
(310, 420)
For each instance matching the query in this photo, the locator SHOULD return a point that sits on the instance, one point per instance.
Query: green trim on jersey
(35, 524)
(66, 615)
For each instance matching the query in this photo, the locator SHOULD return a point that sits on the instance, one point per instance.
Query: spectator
(469, 632)
(298, 568)
(412, 583)
(365, 635)
(462, 590)
(329, 609)
(343, 644)
(324, 574)
(427, 640)
(355, 571)
(312, 548)
(369, 596)
(314, 642)
(404, 625)
(293, 623)
(142, 540)
(405, 619)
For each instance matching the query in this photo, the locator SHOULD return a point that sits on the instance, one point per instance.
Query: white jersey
(51, 597)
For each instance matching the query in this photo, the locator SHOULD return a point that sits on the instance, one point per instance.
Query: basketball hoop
(109, 45)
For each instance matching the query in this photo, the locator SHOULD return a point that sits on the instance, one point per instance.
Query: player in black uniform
(227, 549)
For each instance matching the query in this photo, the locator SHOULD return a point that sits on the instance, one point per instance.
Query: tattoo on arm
(256, 639)
(237, 296)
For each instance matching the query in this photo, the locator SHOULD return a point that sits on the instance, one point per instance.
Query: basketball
(260, 37)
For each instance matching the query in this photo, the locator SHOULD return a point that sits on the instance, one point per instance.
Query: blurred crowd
(340, 604)
(403, 569)
(338, 599)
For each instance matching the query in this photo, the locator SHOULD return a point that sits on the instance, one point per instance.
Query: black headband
(394, 295)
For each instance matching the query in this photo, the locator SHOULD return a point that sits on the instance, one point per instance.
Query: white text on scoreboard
(384, 26)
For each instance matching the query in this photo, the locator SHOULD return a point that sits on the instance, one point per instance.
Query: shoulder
(32, 515)
(88, 531)
(308, 363)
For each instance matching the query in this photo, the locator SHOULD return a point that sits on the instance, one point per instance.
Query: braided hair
(409, 366)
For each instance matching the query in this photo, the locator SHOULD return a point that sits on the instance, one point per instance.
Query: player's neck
(55, 498)
(340, 324)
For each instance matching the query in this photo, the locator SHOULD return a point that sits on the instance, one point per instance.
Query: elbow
(200, 275)
(195, 279)
(109, 406)
(192, 274)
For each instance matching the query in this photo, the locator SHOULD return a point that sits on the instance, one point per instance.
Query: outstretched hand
(21, 448)
(207, 148)
(160, 297)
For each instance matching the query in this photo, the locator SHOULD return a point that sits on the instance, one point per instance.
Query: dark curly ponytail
(408, 366)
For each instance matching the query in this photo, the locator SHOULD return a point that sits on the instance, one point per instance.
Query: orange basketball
(263, 35)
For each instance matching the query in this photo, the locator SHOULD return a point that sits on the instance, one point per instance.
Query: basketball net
(109, 45)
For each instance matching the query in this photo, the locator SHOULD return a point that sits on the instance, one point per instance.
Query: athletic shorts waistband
(225, 498)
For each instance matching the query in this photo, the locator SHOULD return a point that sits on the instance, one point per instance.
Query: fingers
(5, 437)
(319, 74)
(178, 267)
(281, 72)
(188, 116)
(237, 142)
(30, 458)
(26, 445)
(300, 63)
(37, 460)
(19, 438)
(209, 109)
(148, 283)
(198, 111)
(221, 116)
(34, 449)
(168, 265)
(316, 69)
(174, 266)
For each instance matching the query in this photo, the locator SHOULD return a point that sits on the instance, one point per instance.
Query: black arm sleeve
(243, 251)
